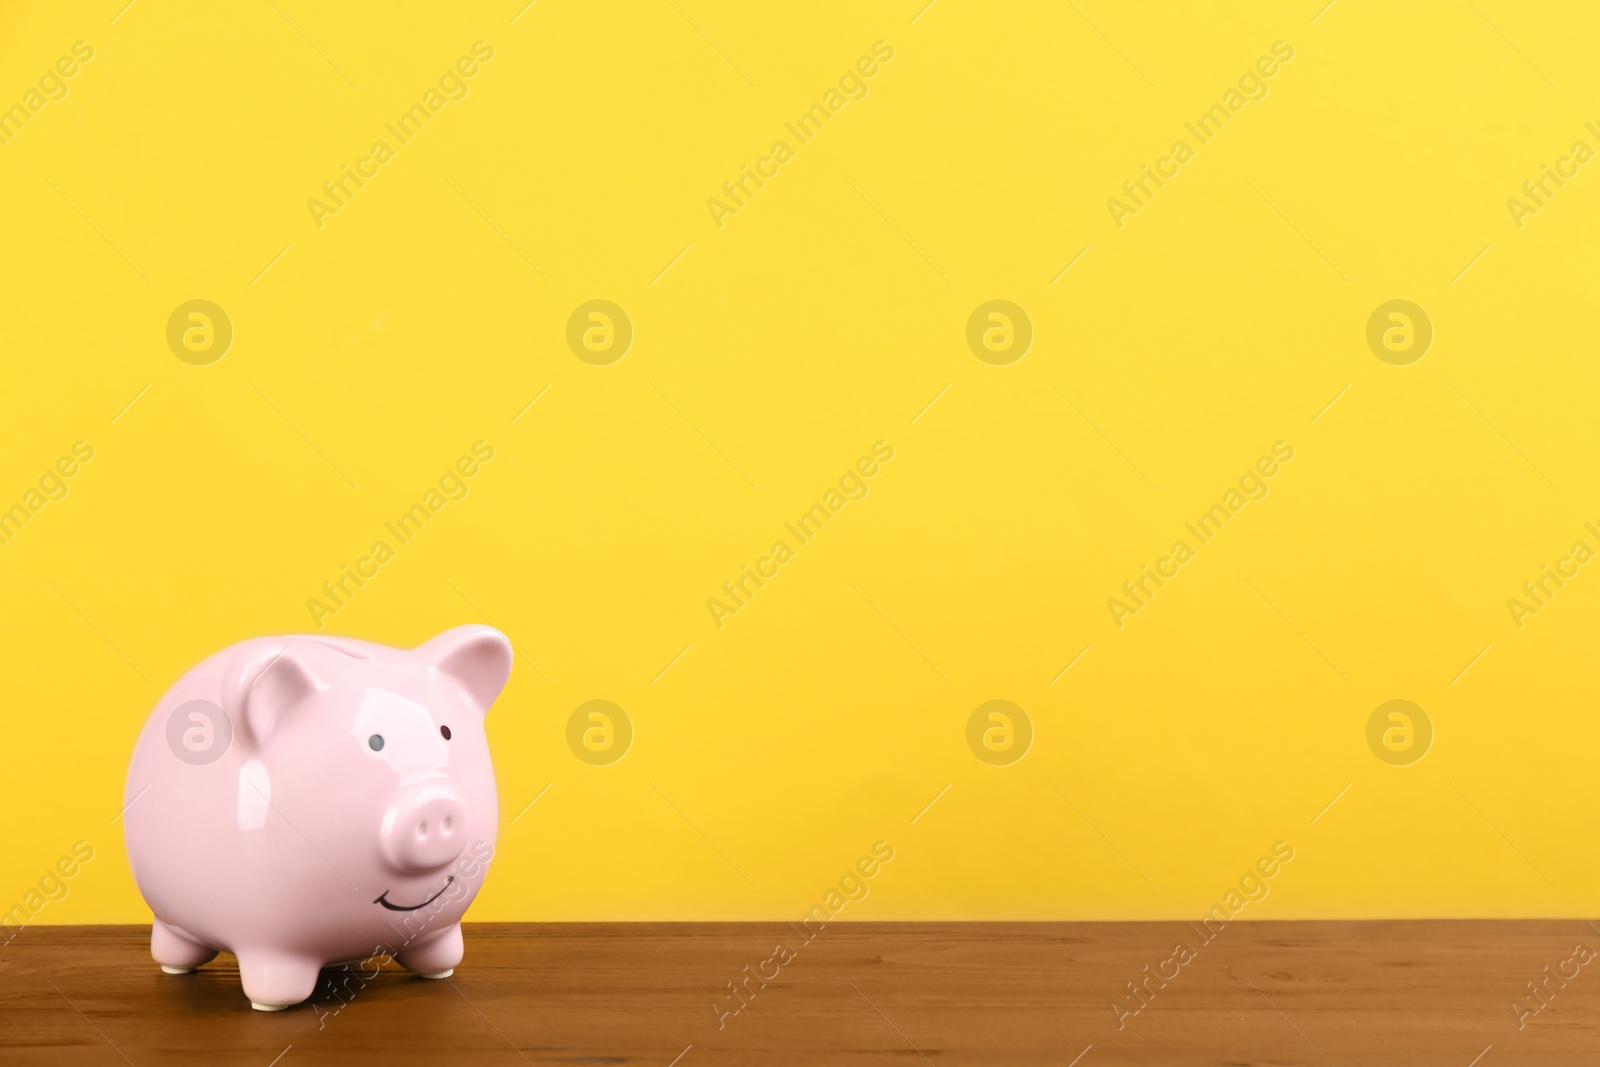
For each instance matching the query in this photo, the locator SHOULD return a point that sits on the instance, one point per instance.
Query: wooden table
(1340, 993)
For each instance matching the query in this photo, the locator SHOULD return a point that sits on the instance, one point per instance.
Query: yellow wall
(822, 317)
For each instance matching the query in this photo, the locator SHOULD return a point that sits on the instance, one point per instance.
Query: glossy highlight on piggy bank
(304, 801)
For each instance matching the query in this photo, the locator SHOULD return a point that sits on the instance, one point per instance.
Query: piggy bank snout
(424, 828)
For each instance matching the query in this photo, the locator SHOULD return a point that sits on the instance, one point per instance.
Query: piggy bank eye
(445, 732)
(375, 742)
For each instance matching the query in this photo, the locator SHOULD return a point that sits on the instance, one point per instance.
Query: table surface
(1438, 992)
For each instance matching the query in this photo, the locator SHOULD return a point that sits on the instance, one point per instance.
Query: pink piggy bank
(302, 801)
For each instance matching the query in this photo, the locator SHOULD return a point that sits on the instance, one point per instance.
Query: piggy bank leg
(274, 980)
(436, 956)
(177, 952)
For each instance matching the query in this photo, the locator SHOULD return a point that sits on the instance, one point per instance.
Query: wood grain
(1277, 993)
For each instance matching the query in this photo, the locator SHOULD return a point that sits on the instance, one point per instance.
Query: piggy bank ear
(477, 657)
(263, 685)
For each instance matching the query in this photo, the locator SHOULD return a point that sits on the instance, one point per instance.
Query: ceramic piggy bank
(302, 801)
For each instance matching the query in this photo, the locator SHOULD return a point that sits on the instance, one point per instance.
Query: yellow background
(821, 318)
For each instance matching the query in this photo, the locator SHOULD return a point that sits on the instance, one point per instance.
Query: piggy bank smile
(339, 768)
(386, 902)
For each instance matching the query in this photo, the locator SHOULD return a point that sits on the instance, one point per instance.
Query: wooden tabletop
(1411, 993)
